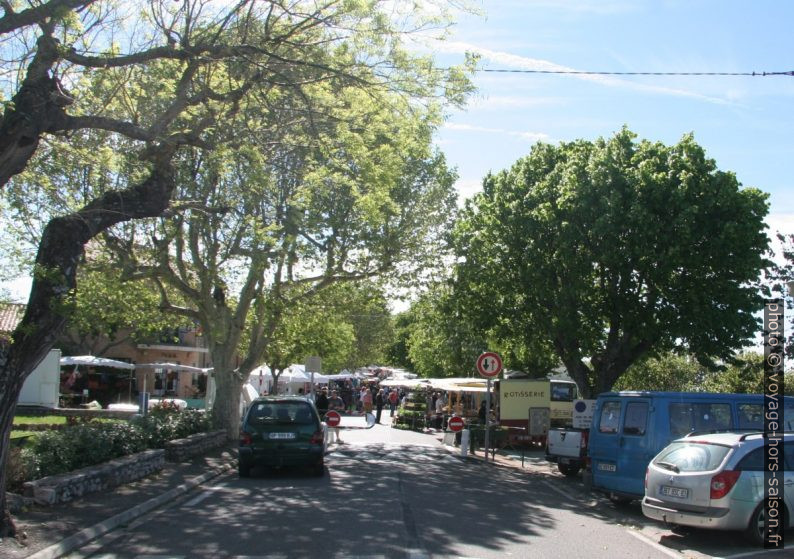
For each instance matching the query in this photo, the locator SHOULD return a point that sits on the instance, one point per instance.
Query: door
(538, 422)
(620, 446)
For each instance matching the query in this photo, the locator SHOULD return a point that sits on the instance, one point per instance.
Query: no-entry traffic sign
(455, 424)
(332, 418)
(489, 364)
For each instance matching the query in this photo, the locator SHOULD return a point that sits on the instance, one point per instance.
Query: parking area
(679, 542)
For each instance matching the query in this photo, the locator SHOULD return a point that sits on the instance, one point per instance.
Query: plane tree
(615, 249)
(154, 78)
(349, 198)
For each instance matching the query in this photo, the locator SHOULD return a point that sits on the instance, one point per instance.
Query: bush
(87, 444)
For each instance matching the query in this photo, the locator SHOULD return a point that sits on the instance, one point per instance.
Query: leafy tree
(667, 372)
(397, 353)
(612, 249)
(278, 226)
(780, 283)
(108, 312)
(185, 70)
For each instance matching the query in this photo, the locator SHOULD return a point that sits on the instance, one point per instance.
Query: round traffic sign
(489, 364)
(455, 424)
(333, 418)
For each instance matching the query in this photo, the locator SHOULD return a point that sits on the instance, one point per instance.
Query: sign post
(455, 424)
(313, 365)
(489, 365)
(332, 418)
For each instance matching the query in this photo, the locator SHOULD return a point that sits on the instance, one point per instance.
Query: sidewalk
(48, 532)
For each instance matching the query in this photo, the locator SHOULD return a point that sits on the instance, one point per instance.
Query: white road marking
(205, 495)
(771, 552)
(656, 545)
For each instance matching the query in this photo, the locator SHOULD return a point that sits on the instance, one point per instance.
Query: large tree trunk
(226, 405)
(54, 279)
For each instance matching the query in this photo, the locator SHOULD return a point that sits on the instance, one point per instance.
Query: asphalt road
(388, 494)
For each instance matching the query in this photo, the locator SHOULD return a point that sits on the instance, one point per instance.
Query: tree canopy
(164, 84)
(610, 249)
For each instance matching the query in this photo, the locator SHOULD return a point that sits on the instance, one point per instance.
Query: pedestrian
(322, 402)
(335, 402)
(439, 412)
(393, 399)
(380, 401)
(481, 412)
(366, 400)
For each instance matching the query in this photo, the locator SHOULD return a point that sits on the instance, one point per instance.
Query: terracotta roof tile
(10, 316)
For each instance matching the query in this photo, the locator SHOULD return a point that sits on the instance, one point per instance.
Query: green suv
(282, 431)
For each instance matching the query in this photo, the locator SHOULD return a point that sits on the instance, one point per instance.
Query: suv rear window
(693, 457)
(299, 413)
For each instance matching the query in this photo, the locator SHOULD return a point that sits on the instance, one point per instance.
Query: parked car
(282, 431)
(716, 481)
(630, 428)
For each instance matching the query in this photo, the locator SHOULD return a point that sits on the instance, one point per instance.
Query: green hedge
(56, 452)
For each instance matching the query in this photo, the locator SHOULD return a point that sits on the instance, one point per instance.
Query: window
(693, 457)
(636, 418)
(563, 392)
(610, 417)
(751, 416)
(753, 462)
(702, 418)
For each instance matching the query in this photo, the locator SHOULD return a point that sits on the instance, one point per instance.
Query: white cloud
(529, 136)
(467, 188)
(498, 102)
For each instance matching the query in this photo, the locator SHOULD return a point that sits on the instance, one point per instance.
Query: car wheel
(244, 469)
(319, 469)
(568, 470)
(755, 529)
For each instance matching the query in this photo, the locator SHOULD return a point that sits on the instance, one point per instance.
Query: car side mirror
(370, 420)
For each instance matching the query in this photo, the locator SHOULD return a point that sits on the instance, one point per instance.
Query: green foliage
(84, 445)
(78, 446)
(614, 249)
(779, 277)
(667, 372)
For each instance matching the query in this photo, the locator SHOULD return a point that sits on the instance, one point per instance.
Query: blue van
(630, 428)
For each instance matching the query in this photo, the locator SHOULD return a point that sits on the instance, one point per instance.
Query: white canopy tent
(175, 367)
(92, 361)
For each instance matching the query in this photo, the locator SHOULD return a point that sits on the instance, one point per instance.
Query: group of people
(364, 400)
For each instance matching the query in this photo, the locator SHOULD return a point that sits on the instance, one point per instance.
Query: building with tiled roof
(10, 315)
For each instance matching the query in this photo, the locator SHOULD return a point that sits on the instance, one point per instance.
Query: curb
(86, 535)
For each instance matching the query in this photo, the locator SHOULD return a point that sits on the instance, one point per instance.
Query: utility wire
(789, 73)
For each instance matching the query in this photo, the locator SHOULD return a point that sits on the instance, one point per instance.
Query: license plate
(677, 492)
(606, 467)
(282, 436)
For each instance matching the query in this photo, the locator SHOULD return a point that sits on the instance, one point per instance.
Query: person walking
(393, 399)
(366, 400)
(380, 401)
(322, 402)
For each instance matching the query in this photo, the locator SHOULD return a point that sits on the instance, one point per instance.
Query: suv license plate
(677, 492)
(607, 467)
(282, 436)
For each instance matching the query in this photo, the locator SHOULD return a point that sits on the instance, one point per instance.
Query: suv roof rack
(747, 432)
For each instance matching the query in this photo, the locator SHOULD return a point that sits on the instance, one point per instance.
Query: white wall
(41, 388)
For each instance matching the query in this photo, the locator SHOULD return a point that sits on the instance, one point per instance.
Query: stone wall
(181, 449)
(102, 477)
(71, 485)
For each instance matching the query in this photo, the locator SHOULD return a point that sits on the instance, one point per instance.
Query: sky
(746, 124)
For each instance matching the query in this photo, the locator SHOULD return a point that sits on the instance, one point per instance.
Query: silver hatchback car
(716, 481)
